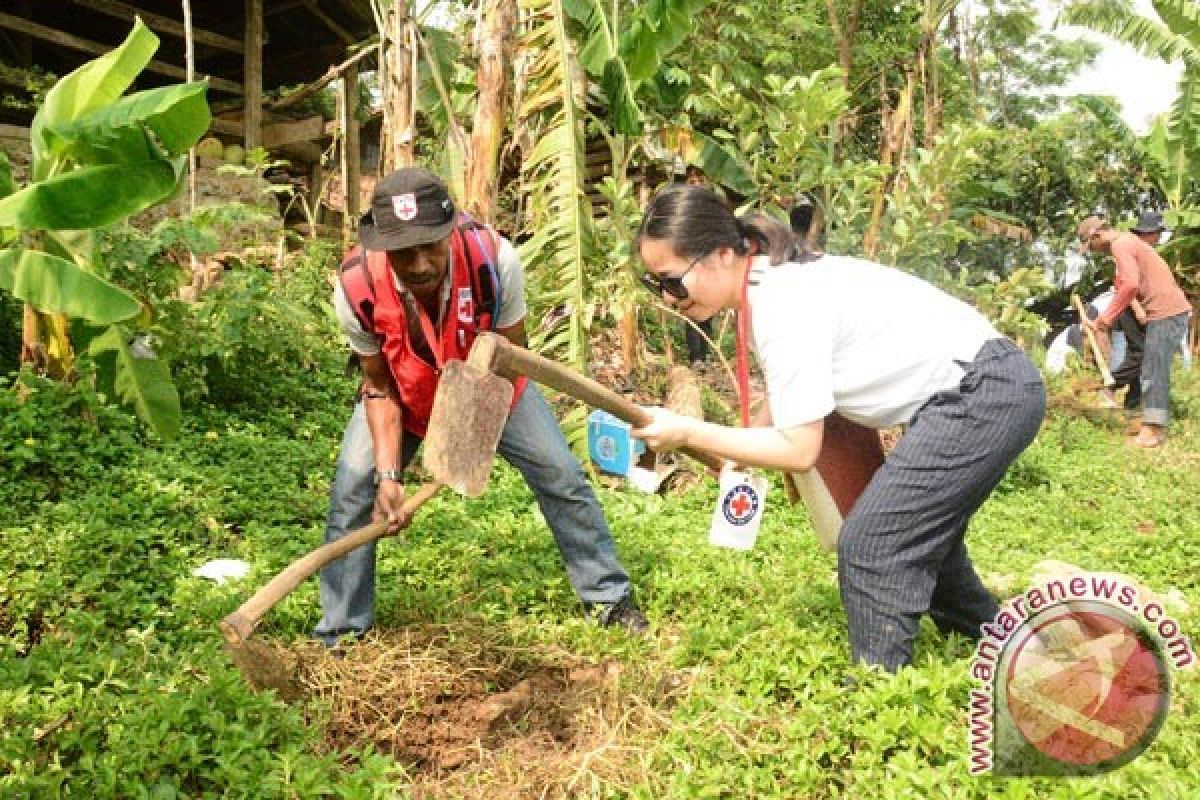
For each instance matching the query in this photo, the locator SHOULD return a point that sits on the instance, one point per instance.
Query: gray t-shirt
(512, 300)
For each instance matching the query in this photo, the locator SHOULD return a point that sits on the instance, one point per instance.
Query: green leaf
(89, 197)
(719, 164)
(119, 133)
(6, 179)
(623, 108)
(143, 384)
(54, 285)
(95, 84)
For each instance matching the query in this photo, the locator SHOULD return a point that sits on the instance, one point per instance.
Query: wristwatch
(388, 475)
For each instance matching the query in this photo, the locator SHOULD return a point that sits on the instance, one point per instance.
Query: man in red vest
(423, 281)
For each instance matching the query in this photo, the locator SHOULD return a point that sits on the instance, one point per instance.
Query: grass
(113, 683)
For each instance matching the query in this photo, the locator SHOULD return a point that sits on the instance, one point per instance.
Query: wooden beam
(95, 48)
(252, 115)
(279, 8)
(228, 127)
(157, 22)
(345, 35)
(13, 132)
(351, 142)
(23, 47)
(330, 75)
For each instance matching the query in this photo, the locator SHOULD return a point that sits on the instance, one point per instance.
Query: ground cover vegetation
(928, 136)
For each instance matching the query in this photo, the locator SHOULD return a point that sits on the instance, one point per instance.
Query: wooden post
(353, 143)
(351, 151)
(252, 113)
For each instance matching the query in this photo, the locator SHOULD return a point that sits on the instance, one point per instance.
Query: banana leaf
(6, 179)
(120, 133)
(95, 84)
(90, 197)
(54, 285)
(144, 384)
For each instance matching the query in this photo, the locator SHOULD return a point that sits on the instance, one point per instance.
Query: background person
(1142, 273)
(412, 295)
(881, 348)
(1150, 229)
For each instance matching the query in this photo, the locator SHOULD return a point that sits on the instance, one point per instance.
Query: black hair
(696, 222)
(782, 245)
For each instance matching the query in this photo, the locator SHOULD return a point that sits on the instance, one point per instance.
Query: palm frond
(1182, 17)
(1147, 36)
(1181, 141)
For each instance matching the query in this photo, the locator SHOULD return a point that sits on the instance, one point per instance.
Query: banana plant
(98, 156)
(553, 174)
(1171, 150)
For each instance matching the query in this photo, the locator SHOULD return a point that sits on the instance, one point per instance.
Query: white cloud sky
(1145, 86)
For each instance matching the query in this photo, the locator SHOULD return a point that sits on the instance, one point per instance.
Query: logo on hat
(405, 206)
(740, 504)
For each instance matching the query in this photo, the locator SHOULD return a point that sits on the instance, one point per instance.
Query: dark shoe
(623, 613)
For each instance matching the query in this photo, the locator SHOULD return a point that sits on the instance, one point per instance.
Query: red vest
(474, 302)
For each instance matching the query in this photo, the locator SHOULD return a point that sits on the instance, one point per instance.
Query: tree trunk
(44, 343)
(683, 392)
(843, 37)
(896, 124)
(627, 332)
(491, 110)
(397, 90)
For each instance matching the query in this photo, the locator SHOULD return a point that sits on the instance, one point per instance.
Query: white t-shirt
(869, 341)
(511, 306)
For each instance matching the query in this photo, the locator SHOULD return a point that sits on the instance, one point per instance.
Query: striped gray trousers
(901, 551)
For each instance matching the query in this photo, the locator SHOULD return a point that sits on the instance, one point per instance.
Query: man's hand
(389, 505)
(1097, 324)
(666, 431)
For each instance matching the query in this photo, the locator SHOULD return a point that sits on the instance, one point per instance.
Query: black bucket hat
(409, 208)
(1149, 222)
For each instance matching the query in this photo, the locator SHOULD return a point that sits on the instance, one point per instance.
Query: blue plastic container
(610, 445)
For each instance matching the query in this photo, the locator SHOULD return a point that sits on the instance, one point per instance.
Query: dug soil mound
(466, 712)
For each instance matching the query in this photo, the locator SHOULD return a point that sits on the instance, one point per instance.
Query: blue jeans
(1162, 342)
(533, 443)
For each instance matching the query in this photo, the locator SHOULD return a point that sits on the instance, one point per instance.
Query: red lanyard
(743, 348)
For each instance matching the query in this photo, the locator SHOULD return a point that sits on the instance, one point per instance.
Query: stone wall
(215, 186)
(14, 141)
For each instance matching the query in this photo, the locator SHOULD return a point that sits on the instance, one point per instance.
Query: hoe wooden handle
(512, 361)
(238, 626)
(1097, 353)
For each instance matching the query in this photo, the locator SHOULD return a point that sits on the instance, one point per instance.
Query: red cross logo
(405, 206)
(740, 505)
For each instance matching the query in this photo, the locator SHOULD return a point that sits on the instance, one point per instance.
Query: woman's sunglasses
(671, 284)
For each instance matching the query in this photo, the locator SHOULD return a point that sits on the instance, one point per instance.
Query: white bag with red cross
(741, 500)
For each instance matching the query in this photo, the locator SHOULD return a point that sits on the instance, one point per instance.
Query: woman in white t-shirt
(881, 348)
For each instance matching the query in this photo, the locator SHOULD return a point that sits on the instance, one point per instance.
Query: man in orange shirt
(1141, 273)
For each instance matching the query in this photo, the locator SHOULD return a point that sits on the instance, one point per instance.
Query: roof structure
(301, 38)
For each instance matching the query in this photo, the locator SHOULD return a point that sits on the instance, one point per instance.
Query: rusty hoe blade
(470, 410)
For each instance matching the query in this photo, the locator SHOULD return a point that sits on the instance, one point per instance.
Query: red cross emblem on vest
(740, 504)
